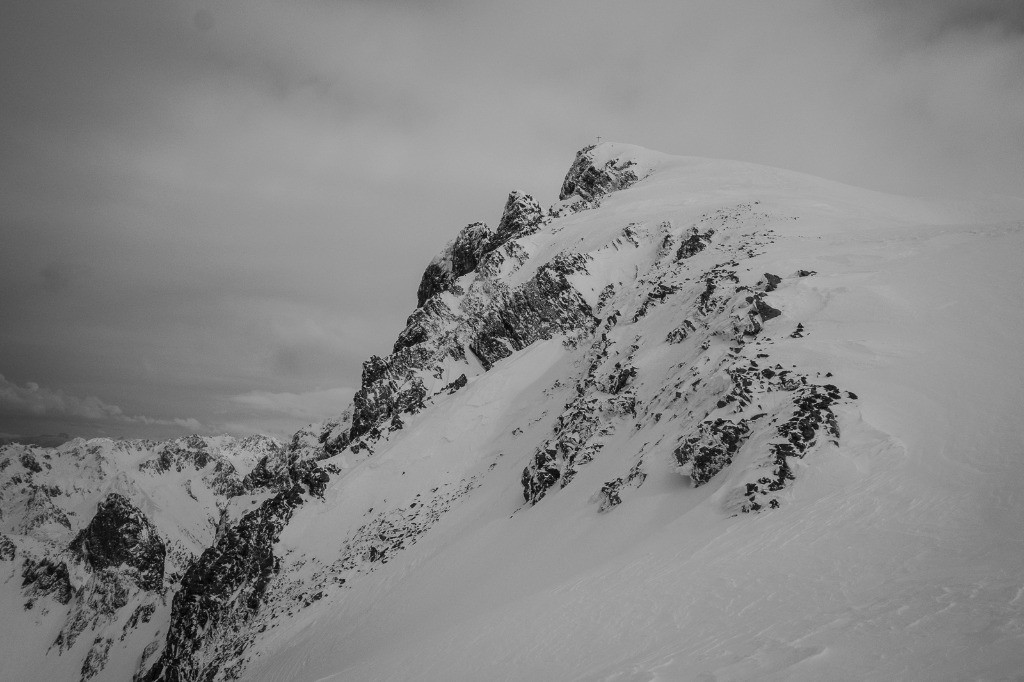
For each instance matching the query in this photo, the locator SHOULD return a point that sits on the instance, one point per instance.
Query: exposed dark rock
(389, 387)
(610, 494)
(655, 296)
(681, 333)
(309, 474)
(590, 183)
(693, 244)
(143, 613)
(96, 659)
(522, 216)
(711, 448)
(773, 281)
(581, 429)
(97, 602)
(620, 378)
(7, 548)
(46, 577)
(221, 591)
(282, 471)
(543, 307)
(459, 257)
(456, 385)
(28, 461)
(765, 311)
(120, 534)
(812, 420)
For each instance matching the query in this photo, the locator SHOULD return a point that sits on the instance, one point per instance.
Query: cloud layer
(35, 403)
(205, 200)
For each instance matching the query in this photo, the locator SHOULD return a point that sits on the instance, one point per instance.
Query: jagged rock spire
(588, 180)
(522, 216)
(120, 534)
(459, 256)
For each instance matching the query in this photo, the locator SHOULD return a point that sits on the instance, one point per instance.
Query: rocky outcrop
(121, 535)
(586, 182)
(47, 577)
(389, 387)
(610, 494)
(710, 449)
(221, 592)
(693, 244)
(179, 454)
(281, 471)
(544, 306)
(7, 548)
(461, 256)
(522, 216)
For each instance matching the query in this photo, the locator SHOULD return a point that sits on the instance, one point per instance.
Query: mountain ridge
(694, 421)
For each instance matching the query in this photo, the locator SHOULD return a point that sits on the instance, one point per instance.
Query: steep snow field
(768, 429)
(897, 555)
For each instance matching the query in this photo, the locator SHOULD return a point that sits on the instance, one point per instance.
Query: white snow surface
(897, 554)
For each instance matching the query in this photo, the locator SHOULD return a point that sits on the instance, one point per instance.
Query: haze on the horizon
(212, 212)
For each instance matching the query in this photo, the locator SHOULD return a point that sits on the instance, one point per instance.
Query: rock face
(587, 181)
(121, 535)
(711, 449)
(459, 257)
(522, 217)
(221, 591)
(544, 306)
(46, 577)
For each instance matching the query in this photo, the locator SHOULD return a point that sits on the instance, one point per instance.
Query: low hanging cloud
(281, 413)
(33, 400)
(309, 406)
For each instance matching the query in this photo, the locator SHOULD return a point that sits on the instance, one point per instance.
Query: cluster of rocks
(603, 402)
(609, 495)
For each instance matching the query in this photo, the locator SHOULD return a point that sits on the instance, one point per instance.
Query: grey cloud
(38, 401)
(55, 279)
(208, 200)
(935, 18)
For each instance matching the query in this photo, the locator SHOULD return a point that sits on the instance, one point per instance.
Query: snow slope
(700, 420)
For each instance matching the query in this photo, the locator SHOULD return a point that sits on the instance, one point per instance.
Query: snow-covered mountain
(699, 420)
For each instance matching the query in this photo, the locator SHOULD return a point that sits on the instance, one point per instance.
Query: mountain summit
(698, 420)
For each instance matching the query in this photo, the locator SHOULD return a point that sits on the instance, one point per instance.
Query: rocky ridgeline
(222, 591)
(587, 181)
(468, 316)
(467, 319)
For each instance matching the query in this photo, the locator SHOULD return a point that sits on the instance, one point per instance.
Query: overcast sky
(212, 211)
